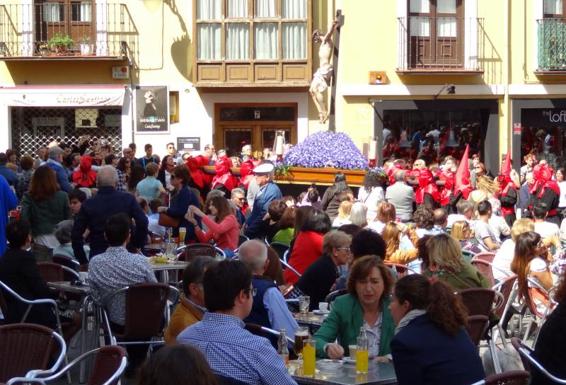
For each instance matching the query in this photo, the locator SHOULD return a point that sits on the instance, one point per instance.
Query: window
(258, 30)
(553, 8)
(81, 11)
(436, 32)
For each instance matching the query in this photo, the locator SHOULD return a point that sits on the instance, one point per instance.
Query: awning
(63, 96)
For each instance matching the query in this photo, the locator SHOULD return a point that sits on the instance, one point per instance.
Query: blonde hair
(457, 231)
(521, 225)
(392, 236)
(344, 209)
(445, 252)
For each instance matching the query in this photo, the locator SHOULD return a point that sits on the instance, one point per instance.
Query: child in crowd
(63, 234)
(76, 199)
(153, 218)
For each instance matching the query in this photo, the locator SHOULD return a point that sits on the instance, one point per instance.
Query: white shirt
(562, 186)
(371, 199)
(502, 260)
(547, 229)
(499, 226)
(483, 230)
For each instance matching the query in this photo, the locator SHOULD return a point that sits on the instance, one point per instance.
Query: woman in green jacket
(43, 207)
(367, 305)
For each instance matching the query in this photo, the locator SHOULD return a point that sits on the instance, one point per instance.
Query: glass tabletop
(336, 372)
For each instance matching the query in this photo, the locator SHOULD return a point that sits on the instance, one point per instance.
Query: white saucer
(320, 312)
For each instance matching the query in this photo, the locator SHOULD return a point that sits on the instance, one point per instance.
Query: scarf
(411, 315)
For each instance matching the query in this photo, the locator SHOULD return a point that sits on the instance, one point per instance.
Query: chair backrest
(485, 256)
(478, 301)
(505, 287)
(242, 239)
(25, 347)
(476, 327)
(63, 260)
(335, 294)
(512, 377)
(485, 268)
(280, 248)
(106, 363)
(145, 310)
(531, 363)
(223, 380)
(197, 249)
(539, 302)
(400, 269)
(50, 271)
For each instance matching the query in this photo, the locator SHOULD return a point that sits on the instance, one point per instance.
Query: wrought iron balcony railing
(438, 44)
(551, 44)
(66, 29)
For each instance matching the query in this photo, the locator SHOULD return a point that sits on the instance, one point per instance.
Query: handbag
(167, 220)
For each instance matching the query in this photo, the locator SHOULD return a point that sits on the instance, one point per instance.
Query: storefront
(39, 115)
(433, 129)
(539, 127)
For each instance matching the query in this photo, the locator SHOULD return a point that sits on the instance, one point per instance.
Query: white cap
(265, 168)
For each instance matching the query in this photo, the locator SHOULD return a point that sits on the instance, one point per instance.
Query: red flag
(462, 178)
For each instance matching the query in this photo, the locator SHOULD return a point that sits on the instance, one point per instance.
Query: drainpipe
(508, 78)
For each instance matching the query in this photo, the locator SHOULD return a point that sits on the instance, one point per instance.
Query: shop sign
(67, 100)
(188, 144)
(152, 109)
(555, 116)
(517, 128)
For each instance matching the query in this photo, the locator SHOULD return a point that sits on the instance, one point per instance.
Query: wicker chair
(29, 350)
(109, 364)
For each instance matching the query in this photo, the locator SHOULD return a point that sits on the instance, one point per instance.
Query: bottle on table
(362, 354)
(282, 347)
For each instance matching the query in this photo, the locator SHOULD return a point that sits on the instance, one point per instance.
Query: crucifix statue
(323, 75)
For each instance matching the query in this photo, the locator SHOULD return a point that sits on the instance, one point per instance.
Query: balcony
(439, 45)
(67, 31)
(551, 46)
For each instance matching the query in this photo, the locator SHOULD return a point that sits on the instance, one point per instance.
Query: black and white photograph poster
(152, 109)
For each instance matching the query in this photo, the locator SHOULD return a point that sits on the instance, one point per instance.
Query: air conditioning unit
(86, 117)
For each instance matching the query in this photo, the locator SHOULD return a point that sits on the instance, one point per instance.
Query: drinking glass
(309, 360)
(304, 303)
(301, 335)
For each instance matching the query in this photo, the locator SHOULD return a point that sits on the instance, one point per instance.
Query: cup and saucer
(322, 309)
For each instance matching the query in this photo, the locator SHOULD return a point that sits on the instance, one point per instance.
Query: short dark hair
(77, 194)
(317, 221)
(223, 283)
(194, 272)
(154, 205)
(367, 242)
(181, 171)
(108, 159)
(540, 210)
(17, 233)
(117, 229)
(484, 207)
(339, 177)
(147, 146)
(177, 364)
(276, 209)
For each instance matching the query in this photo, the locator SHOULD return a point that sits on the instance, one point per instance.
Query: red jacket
(306, 249)
(85, 176)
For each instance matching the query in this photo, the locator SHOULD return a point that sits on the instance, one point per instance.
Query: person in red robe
(508, 191)
(545, 190)
(427, 193)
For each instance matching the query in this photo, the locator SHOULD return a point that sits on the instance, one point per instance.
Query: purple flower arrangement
(326, 149)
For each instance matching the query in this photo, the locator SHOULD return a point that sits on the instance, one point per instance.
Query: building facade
(410, 76)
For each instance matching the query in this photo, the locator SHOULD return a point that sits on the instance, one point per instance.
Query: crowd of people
(101, 209)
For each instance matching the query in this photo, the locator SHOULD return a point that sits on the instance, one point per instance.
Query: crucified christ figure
(321, 78)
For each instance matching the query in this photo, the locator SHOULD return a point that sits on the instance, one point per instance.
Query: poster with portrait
(152, 109)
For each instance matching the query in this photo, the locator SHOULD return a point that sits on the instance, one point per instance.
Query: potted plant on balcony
(320, 156)
(60, 43)
(85, 46)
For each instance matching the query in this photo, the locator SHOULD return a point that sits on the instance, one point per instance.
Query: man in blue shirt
(10, 175)
(231, 351)
(95, 211)
(269, 308)
(268, 191)
(55, 163)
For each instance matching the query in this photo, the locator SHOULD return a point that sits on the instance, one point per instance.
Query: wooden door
(436, 33)
(256, 124)
(65, 17)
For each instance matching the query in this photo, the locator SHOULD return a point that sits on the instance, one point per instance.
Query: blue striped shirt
(232, 351)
